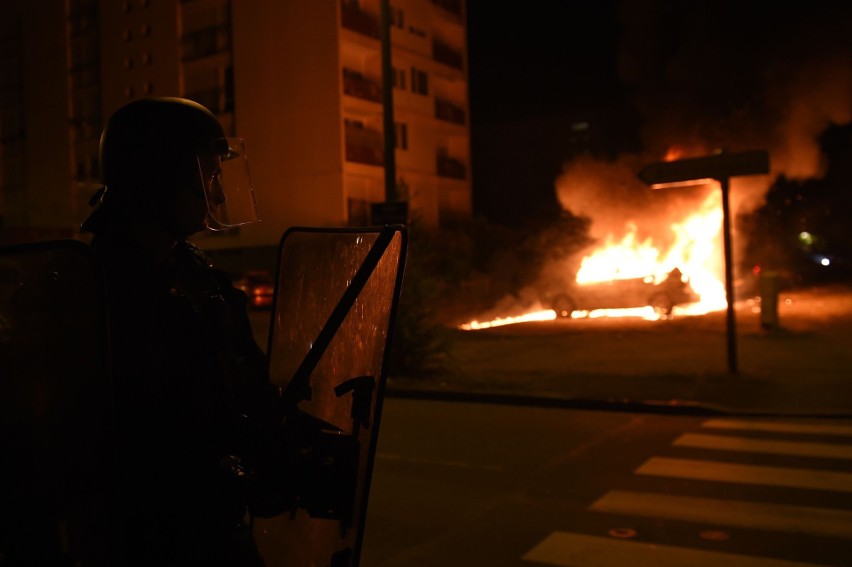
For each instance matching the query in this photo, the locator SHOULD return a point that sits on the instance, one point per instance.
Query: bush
(421, 342)
(442, 266)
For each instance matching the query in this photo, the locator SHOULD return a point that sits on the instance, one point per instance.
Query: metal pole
(387, 105)
(729, 278)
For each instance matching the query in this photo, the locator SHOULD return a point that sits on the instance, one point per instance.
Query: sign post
(720, 167)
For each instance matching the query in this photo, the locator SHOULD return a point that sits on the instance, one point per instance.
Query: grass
(804, 366)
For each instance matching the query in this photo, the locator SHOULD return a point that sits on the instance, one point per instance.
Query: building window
(146, 58)
(128, 91)
(127, 35)
(419, 81)
(400, 136)
(397, 17)
(145, 30)
(148, 87)
(398, 78)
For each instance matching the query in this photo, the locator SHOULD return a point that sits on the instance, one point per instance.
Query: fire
(543, 315)
(696, 252)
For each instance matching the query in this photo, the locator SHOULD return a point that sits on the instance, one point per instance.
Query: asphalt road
(477, 484)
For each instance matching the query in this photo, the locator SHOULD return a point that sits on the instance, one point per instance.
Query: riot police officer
(188, 374)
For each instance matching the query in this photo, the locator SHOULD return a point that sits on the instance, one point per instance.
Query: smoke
(720, 74)
(610, 193)
(740, 75)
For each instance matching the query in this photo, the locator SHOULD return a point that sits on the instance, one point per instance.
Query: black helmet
(153, 148)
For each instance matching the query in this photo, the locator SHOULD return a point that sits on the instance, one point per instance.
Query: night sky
(548, 58)
(700, 75)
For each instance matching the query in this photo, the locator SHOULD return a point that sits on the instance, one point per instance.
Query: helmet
(154, 151)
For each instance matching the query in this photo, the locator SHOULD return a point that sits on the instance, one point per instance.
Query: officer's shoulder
(199, 255)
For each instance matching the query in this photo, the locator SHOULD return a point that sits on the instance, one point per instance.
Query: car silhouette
(626, 293)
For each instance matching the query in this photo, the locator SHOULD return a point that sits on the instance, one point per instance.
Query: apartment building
(300, 81)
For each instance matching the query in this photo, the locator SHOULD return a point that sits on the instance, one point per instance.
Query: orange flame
(696, 252)
(543, 315)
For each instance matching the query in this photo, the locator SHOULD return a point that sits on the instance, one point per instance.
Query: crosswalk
(809, 458)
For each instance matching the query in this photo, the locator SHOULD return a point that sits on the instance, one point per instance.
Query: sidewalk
(804, 367)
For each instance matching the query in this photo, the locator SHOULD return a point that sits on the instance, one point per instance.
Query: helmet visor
(227, 185)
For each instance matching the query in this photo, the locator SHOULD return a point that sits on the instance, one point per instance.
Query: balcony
(364, 145)
(452, 6)
(206, 42)
(83, 20)
(86, 75)
(355, 19)
(449, 112)
(450, 167)
(357, 85)
(443, 53)
(217, 99)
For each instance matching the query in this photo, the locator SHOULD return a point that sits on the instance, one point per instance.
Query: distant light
(806, 238)
(580, 126)
(825, 261)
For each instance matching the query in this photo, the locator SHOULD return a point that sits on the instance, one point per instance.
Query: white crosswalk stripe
(746, 445)
(812, 479)
(575, 550)
(777, 517)
(780, 426)
(721, 462)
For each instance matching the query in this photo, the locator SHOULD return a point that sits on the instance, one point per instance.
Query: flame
(696, 251)
(674, 153)
(543, 315)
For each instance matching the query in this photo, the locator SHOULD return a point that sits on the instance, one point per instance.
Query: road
(475, 484)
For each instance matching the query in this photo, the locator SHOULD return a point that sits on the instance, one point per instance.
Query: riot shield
(56, 416)
(335, 307)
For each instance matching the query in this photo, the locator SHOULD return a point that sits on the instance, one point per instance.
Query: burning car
(662, 296)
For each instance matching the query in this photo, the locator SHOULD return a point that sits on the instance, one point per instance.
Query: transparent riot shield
(56, 416)
(335, 306)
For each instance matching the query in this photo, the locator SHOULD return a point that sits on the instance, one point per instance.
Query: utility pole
(387, 105)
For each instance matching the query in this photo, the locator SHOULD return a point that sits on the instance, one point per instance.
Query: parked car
(627, 293)
(259, 286)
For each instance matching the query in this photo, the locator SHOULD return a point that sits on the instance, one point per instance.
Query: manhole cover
(715, 535)
(622, 533)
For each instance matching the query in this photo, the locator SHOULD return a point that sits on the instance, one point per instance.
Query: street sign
(721, 167)
(718, 166)
(389, 212)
